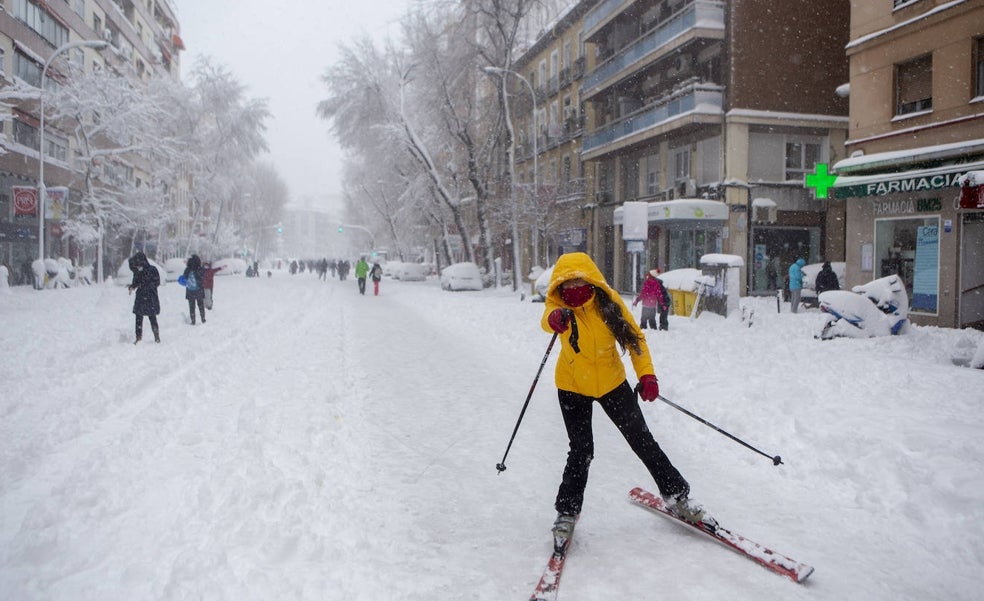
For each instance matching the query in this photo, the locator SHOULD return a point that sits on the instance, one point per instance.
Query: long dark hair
(612, 315)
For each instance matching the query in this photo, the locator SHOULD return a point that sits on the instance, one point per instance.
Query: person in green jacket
(361, 271)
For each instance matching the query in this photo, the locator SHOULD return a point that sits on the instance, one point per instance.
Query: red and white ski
(780, 564)
(546, 589)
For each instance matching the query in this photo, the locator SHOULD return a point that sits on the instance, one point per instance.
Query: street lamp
(372, 238)
(515, 222)
(97, 44)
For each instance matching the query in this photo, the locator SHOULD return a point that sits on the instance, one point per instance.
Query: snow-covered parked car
(411, 272)
(174, 268)
(461, 276)
(878, 308)
(124, 276)
(541, 283)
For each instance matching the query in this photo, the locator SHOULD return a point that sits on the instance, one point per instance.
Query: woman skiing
(590, 370)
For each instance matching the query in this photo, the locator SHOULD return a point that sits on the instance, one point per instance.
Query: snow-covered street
(309, 443)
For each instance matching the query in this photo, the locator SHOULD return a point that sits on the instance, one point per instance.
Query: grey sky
(279, 49)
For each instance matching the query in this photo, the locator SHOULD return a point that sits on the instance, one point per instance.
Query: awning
(177, 42)
(918, 180)
(684, 209)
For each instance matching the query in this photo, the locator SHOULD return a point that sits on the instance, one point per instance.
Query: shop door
(972, 272)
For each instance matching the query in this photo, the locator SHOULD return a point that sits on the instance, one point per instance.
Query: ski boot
(689, 510)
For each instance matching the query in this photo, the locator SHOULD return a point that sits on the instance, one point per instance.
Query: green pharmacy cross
(820, 180)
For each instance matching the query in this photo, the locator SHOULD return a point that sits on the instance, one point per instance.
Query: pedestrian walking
(145, 281)
(826, 279)
(209, 284)
(376, 273)
(361, 271)
(654, 297)
(194, 281)
(590, 370)
(796, 283)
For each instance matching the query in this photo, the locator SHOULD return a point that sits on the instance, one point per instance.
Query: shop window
(910, 249)
(914, 86)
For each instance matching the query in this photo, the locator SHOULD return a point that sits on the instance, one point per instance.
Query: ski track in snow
(310, 443)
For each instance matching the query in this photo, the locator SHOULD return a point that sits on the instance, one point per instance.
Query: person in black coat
(146, 279)
(826, 279)
(194, 275)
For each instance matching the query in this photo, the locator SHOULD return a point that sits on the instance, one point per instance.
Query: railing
(702, 13)
(654, 114)
(600, 13)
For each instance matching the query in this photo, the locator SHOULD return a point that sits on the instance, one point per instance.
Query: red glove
(557, 320)
(649, 387)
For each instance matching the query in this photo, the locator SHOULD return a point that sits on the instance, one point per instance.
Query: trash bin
(683, 301)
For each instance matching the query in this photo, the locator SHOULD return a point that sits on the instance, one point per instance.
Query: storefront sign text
(911, 184)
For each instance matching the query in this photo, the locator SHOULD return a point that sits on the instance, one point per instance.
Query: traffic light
(280, 229)
(340, 229)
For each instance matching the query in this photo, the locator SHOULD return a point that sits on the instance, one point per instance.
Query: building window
(910, 248)
(28, 70)
(979, 67)
(801, 157)
(54, 148)
(25, 134)
(914, 86)
(652, 175)
(681, 164)
(37, 19)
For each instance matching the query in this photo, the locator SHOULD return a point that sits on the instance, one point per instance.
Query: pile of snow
(687, 280)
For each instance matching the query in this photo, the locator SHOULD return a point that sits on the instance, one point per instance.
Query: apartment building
(144, 42)
(917, 126)
(549, 123)
(712, 113)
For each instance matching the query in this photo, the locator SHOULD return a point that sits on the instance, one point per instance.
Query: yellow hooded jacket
(598, 368)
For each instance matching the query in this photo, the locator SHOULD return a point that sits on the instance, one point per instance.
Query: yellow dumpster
(683, 302)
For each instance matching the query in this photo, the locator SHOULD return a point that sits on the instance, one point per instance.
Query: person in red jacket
(653, 296)
(209, 283)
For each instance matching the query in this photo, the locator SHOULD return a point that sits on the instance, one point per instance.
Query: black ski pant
(623, 409)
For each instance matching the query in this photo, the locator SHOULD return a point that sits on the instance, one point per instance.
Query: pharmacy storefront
(910, 223)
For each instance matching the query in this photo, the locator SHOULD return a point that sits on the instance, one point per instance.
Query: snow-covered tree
(225, 129)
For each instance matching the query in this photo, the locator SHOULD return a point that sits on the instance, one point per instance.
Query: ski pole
(501, 466)
(775, 460)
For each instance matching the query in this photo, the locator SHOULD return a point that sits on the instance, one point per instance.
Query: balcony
(697, 98)
(602, 12)
(699, 14)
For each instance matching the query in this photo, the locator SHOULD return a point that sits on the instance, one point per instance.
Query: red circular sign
(25, 202)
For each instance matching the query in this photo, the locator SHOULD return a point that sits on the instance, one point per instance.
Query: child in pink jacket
(653, 296)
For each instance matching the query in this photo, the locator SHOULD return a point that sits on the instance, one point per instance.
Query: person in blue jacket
(796, 283)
